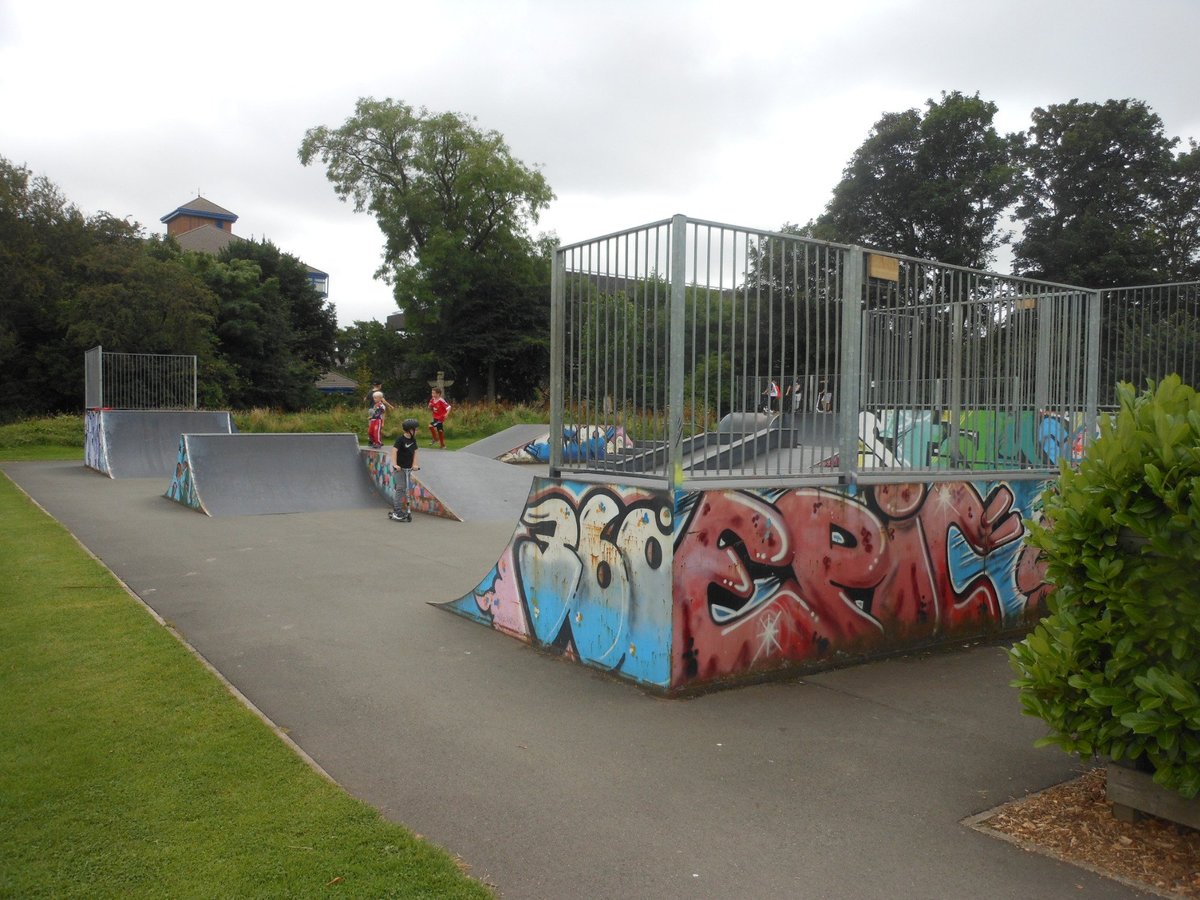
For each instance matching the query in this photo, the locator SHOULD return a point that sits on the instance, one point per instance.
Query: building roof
(206, 239)
(333, 381)
(200, 207)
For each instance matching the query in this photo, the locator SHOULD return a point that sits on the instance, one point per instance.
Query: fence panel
(139, 380)
(1147, 333)
(772, 358)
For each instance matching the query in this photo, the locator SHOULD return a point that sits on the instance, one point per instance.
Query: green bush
(1114, 669)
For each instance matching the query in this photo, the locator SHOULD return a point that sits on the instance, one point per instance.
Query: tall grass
(51, 437)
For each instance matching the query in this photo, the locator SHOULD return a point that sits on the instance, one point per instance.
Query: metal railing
(1149, 332)
(139, 380)
(687, 351)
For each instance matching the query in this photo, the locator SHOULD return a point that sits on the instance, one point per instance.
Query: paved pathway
(552, 781)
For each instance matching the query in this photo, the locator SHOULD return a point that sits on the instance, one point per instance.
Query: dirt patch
(1073, 821)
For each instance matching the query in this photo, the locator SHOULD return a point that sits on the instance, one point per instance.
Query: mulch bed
(1073, 821)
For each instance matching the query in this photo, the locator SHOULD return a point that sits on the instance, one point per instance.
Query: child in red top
(440, 409)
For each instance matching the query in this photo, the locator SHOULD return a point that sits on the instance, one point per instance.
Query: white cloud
(636, 109)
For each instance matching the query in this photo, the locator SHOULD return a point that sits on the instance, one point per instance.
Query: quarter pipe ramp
(260, 474)
(142, 443)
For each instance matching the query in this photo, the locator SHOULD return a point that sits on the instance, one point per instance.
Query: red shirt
(440, 409)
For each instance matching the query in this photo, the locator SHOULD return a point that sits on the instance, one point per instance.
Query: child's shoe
(399, 517)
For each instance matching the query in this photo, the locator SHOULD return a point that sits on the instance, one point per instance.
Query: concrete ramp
(474, 488)
(260, 474)
(507, 441)
(143, 443)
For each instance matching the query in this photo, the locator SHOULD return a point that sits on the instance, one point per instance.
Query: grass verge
(128, 769)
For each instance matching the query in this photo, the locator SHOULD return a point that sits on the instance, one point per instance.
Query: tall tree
(312, 321)
(1097, 195)
(41, 233)
(455, 207)
(930, 185)
(1177, 217)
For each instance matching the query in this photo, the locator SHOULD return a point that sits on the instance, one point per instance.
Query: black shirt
(406, 450)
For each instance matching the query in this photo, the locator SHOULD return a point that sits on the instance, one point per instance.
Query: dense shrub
(1114, 670)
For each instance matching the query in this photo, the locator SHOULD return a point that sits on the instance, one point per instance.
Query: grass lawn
(127, 769)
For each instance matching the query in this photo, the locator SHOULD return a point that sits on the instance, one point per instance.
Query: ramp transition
(262, 474)
(143, 443)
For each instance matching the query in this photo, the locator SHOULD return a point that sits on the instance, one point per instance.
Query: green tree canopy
(930, 185)
(455, 207)
(1103, 189)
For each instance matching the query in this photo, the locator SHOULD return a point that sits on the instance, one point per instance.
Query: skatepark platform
(142, 443)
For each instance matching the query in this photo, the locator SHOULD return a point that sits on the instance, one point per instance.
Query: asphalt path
(551, 780)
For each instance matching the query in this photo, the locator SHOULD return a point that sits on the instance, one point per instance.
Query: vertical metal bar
(1091, 402)
(558, 373)
(676, 350)
(851, 362)
(954, 374)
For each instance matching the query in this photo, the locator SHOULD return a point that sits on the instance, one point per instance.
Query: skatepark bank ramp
(261, 474)
(142, 443)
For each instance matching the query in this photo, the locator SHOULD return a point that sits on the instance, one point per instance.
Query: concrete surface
(511, 438)
(550, 780)
(476, 488)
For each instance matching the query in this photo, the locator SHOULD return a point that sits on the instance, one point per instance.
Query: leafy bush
(1114, 670)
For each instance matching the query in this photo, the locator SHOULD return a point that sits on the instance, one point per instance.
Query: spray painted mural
(182, 488)
(718, 585)
(587, 574)
(93, 447)
(580, 442)
(766, 579)
(985, 440)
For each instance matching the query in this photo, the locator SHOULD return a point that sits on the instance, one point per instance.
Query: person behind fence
(772, 394)
(404, 461)
(375, 422)
(824, 399)
(440, 409)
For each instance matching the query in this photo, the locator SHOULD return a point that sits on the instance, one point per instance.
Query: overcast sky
(740, 112)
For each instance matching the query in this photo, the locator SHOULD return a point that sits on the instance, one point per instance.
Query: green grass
(128, 770)
(48, 437)
(61, 437)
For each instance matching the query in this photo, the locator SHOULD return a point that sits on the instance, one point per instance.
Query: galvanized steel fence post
(676, 350)
(1091, 400)
(850, 364)
(557, 358)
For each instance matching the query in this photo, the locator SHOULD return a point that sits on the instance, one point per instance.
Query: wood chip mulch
(1073, 821)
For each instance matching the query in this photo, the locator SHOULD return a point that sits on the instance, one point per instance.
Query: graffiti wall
(579, 442)
(587, 574)
(716, 586)
(182, 488)
(986, 439)
(769, 579)
(379, 466)
(93, 449)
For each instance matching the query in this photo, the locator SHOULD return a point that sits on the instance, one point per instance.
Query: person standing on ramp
(404, 460)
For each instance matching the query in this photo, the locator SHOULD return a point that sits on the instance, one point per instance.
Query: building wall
(186, 223)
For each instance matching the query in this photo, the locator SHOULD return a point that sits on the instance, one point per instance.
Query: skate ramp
(474, 488)
(143, 443)
(264, 474)
(506, 441)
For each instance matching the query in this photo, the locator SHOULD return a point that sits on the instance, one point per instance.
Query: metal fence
(139, 380)
(1149, 332)
(687, 350)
